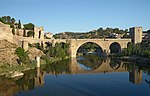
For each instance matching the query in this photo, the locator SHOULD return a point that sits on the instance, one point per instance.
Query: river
(89, 75)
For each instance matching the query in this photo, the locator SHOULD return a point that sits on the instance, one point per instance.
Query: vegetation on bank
(7, 68)
(140, 49)
(23, 55)
(24, 62)
(60, 50)
(135, 52)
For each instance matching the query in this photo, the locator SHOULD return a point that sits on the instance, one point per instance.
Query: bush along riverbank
(7, 68)
(139, 52)
(25, 60)
(135, 59)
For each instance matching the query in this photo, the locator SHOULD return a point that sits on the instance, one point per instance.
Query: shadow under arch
(115, 47)
(89, 55)
(89, 47)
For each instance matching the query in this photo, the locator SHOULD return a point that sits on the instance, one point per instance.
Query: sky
(79, 15)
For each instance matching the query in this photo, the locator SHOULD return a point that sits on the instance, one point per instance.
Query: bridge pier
(38, 61)
(72, 49)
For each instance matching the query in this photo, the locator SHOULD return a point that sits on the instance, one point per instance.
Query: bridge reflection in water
(35, 78)
(73, 67)
(109, 66)
(106, 66)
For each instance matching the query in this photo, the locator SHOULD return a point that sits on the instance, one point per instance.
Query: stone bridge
(74, 44)
(135, 75)
(104, 44)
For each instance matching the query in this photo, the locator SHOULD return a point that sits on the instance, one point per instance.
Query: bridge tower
(136, 34)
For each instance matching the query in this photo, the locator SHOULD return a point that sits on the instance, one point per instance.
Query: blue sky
(79, 15)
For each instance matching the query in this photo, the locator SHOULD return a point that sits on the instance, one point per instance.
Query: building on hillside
(49, 35)
(114, 35)
(38, 32)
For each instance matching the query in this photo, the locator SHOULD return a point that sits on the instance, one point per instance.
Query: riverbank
(6, 69)
(134, 59)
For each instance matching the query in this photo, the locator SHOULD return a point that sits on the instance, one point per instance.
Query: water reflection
(36, 78)
(115, 64)
(135, 75)
(90, 61)
(58, 67)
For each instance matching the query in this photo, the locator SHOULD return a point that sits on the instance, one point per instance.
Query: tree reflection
(58, 67)
(114, 63)
(27, 81)
(91, 61)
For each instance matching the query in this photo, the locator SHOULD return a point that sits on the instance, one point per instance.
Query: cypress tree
(19, 24)
(13, 31)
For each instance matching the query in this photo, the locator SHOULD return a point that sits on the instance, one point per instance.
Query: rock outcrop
(34, 52)
(7, 53)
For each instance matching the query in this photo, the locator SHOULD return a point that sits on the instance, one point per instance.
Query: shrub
(30, 34)
(23, 55)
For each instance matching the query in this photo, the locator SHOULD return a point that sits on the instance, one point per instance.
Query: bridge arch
(82, 43)
(103, 43)
(88, 46)
(75, 68)
(115, 47)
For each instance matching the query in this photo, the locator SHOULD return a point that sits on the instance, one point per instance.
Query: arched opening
(115, 48)
(48, 45)
(89, 56)
(89, 48)
(39, 34)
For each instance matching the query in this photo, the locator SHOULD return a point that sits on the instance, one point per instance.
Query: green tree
(7, 20)
(23, 55)
(60, 52)
(13, 20)
(19, 24)
(24, 32)
(29, 26)
(129, 49)
(30, 34)
(13, 31)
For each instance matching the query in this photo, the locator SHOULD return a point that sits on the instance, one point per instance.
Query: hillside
(7, 52)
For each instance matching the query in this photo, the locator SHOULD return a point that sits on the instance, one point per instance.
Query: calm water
(85, 76)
